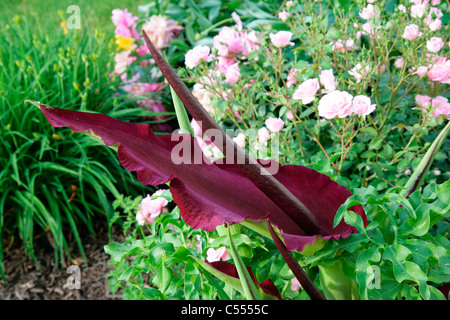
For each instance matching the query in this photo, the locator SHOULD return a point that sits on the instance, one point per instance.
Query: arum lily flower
(299, 201)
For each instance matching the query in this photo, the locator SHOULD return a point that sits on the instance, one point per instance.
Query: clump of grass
(50, 179)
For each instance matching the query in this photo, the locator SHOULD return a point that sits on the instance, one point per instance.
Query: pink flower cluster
(423, 10)
(231, 45)
(342, 104)
(306, 92)
(438, 70)
(150, 209)
(438, 105)
(125, 23)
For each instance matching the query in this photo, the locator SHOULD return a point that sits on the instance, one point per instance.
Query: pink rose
(336, 103)
(421, 71)
(440, 71)
(283, 15)
(281, 39)
(423, 100)
(435, 44)
(411, 32)
(289, 115)
(359, 72)
(213, 255)
(274, 124)
(341, 45)
(306, 91)
(150, 208)
(292, 77)
(194, 56)
(398, 63)
(328, 80)
(367, 12)
(435, 2)
(440, 106)
(161, 30)
(232, 74)
(361, 105)
(435, 25)
(263, 136)
(240, 140)
(418, 10)
(295, 284)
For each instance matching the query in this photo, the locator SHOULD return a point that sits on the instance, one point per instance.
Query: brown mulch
(27, 281)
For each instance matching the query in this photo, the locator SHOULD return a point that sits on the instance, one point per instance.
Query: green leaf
(118, 251)
(335, 284)
(248, 286)
(419, 173)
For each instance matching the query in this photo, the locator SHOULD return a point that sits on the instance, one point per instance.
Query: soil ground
(27, 281)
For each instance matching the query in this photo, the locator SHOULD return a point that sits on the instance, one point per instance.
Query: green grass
(51, 179)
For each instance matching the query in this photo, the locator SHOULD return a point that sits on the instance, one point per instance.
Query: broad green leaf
(335, 284)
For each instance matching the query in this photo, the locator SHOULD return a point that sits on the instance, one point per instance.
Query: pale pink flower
(341, 45)
(423, 100)
(435, 25)
(433, 13)
(150, 209)
(440, 106)
(274, 124)
(213, 255)
(398, 63)
(421, 71)
(359, 72)
(402, 8)
(196, 127)
(122, 60)
(283, 15)
(418, 10)
(435, 2)
(232, 74)
(194, 56)
(240, 140)
(307, 91)
(328, 80)
(435, 44)
(204, 96)
(281, 39)
(161, 30)
(292, 77)
(263, 135)
(295, 284)
(223, 63)
(367, 12)
(411, 32)
(237, 20)
(289, 115)
(361, 105)
(335, 104)
(289, 3)
(440, 71)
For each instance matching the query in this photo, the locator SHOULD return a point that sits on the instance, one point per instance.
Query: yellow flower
(63, 26)
(123, 42)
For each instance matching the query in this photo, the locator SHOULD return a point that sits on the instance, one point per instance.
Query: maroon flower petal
(230, 269)
(210, 194)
